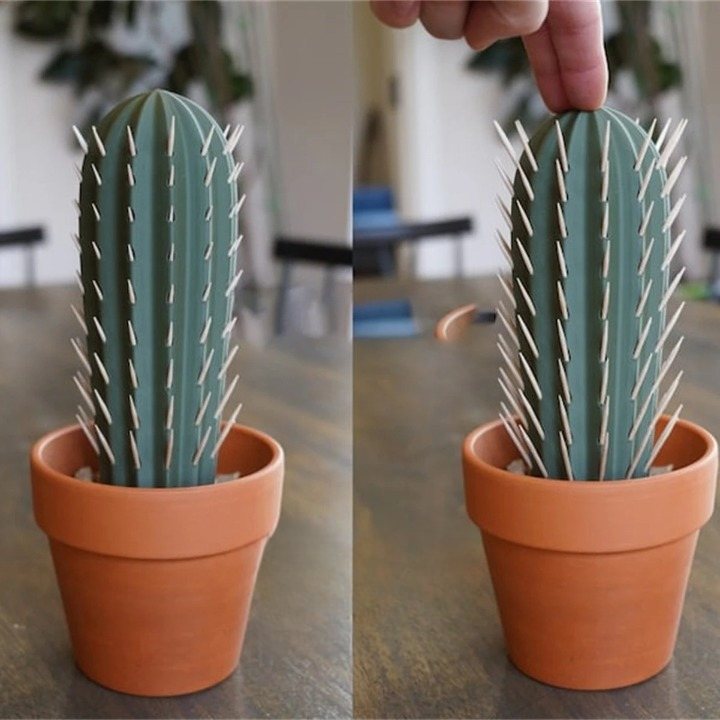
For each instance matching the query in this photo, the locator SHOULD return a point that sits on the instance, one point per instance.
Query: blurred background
(279, 68)
(425, 145)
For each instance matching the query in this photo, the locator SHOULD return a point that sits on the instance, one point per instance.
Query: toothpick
(105, 444)
(605, 162)
(206, 292)
(563, 341)
(134, 450)
(131, 214)
(672, 142)
(88, 434)
(561, 260)
(205, 367)
(169, 415)
(510, 364)
(526, 297)
(169, 448)
(663, 134)
(525, 140)
(565, 420)
(171, 214)
(135, 418)
(646, 219)
(673, 178)
(604, 229)
(561, 148)
(98, 142)
(664, 435)
(605, 446)
(536, 455)
(211, 171)
(237, 206)
(81, 355)
(673, 249)
(561, 181)
(531, 414)
(233, 284)
(564, 385)
(528, 336)
(525, 219)
(504, 211)
(531, 376)
(171, 138)
(674, 213)
(604, 341)
(81, 140)
(641, 377)
(504, 177)
(171, 176)
(510, 396)
(227, 362)
(101, 368)
(170, 337)
(131, 333)
(206, 143)
(98, 179)
(234, 138)
(131, 142)
(203, 409)
(514, 433)
(205, 330)
(505, 141)
(100, 331)
(97, 289)
(672, 288)
(201, 447)
(79, 317)
(209, 213)
(225, 398)
(525, 257)
(227, 330)
(235, 172)
(170, 374)
(133, 374)
(565, 457)
(226, 430)
(646, 181)
(646, 257)
(103, 407)
(562, 301)
(641, 340)
(83, 392)
(643, 299)
(504, 248)
(645, 145)
(505, 287)
(95, 211)
(561, 221)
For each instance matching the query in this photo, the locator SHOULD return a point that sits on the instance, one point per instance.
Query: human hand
(563, 39)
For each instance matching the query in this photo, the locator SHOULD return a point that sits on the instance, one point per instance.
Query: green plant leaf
(43, 19)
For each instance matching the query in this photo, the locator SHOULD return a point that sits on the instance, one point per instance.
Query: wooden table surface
(296, 661)
(426, 636)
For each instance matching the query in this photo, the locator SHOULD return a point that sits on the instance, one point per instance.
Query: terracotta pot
(157, 583)
(590, 577)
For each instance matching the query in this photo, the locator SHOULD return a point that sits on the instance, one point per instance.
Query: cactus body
(157, 224)
(590, 224)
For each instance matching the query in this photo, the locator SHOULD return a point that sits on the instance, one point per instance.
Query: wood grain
(297, 657)
(427, 640)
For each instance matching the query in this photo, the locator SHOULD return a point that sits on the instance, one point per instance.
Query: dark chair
(289, 251)
(27, 238)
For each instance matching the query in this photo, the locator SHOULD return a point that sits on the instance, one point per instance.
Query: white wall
(37, 180)
(312, 58)
(447, 149)
(309, 45)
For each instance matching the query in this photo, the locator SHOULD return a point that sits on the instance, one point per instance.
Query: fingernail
(403, 8)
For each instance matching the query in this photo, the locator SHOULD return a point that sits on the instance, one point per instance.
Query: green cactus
(590, 223)
(158, 239)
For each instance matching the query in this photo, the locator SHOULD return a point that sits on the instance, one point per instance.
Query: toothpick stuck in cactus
(158, 223)
(585, 319)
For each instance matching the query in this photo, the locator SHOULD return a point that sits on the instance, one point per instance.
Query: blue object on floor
(384, 319)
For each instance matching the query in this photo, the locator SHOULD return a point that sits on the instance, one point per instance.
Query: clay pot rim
(581, 486)
(39, 446)
(590, 516)
(165, 523)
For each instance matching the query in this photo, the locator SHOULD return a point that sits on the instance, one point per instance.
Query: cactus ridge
(589, 222)
(158, 219)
